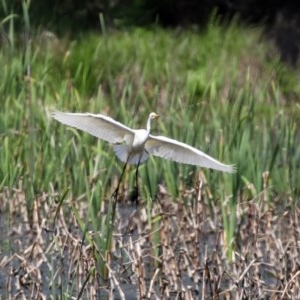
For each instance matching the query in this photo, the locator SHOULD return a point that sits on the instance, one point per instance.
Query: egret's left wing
(173, 150)
(100, 126)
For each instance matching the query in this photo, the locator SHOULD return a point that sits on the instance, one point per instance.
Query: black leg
(137, 176)
(115, 193)
(135, 196)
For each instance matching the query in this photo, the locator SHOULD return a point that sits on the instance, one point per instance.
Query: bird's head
(153, 116)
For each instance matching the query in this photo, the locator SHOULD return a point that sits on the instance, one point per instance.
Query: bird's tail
(122, 150)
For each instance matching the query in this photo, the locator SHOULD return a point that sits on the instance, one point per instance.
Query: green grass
(216, 90)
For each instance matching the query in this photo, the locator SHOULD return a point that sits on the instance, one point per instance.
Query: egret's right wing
(100, 126)
(173, 150)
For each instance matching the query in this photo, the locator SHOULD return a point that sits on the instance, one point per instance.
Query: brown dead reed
(177, 251)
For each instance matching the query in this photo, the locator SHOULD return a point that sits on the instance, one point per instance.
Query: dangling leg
(115, 193)
(135, 194)
(137, 176)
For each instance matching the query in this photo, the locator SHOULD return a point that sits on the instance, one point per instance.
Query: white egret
(134, 146)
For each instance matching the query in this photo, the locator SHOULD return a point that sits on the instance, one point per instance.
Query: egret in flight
(133, 146)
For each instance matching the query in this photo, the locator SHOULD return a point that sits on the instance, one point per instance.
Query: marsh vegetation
(196, 233)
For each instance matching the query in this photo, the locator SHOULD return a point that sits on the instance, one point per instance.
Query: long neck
(149, 124)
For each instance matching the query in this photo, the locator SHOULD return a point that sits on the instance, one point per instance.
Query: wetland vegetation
(196, 233)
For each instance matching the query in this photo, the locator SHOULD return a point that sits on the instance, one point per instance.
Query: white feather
(134, 146)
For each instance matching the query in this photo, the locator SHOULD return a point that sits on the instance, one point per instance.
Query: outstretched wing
(173, 150)
(100, 126)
